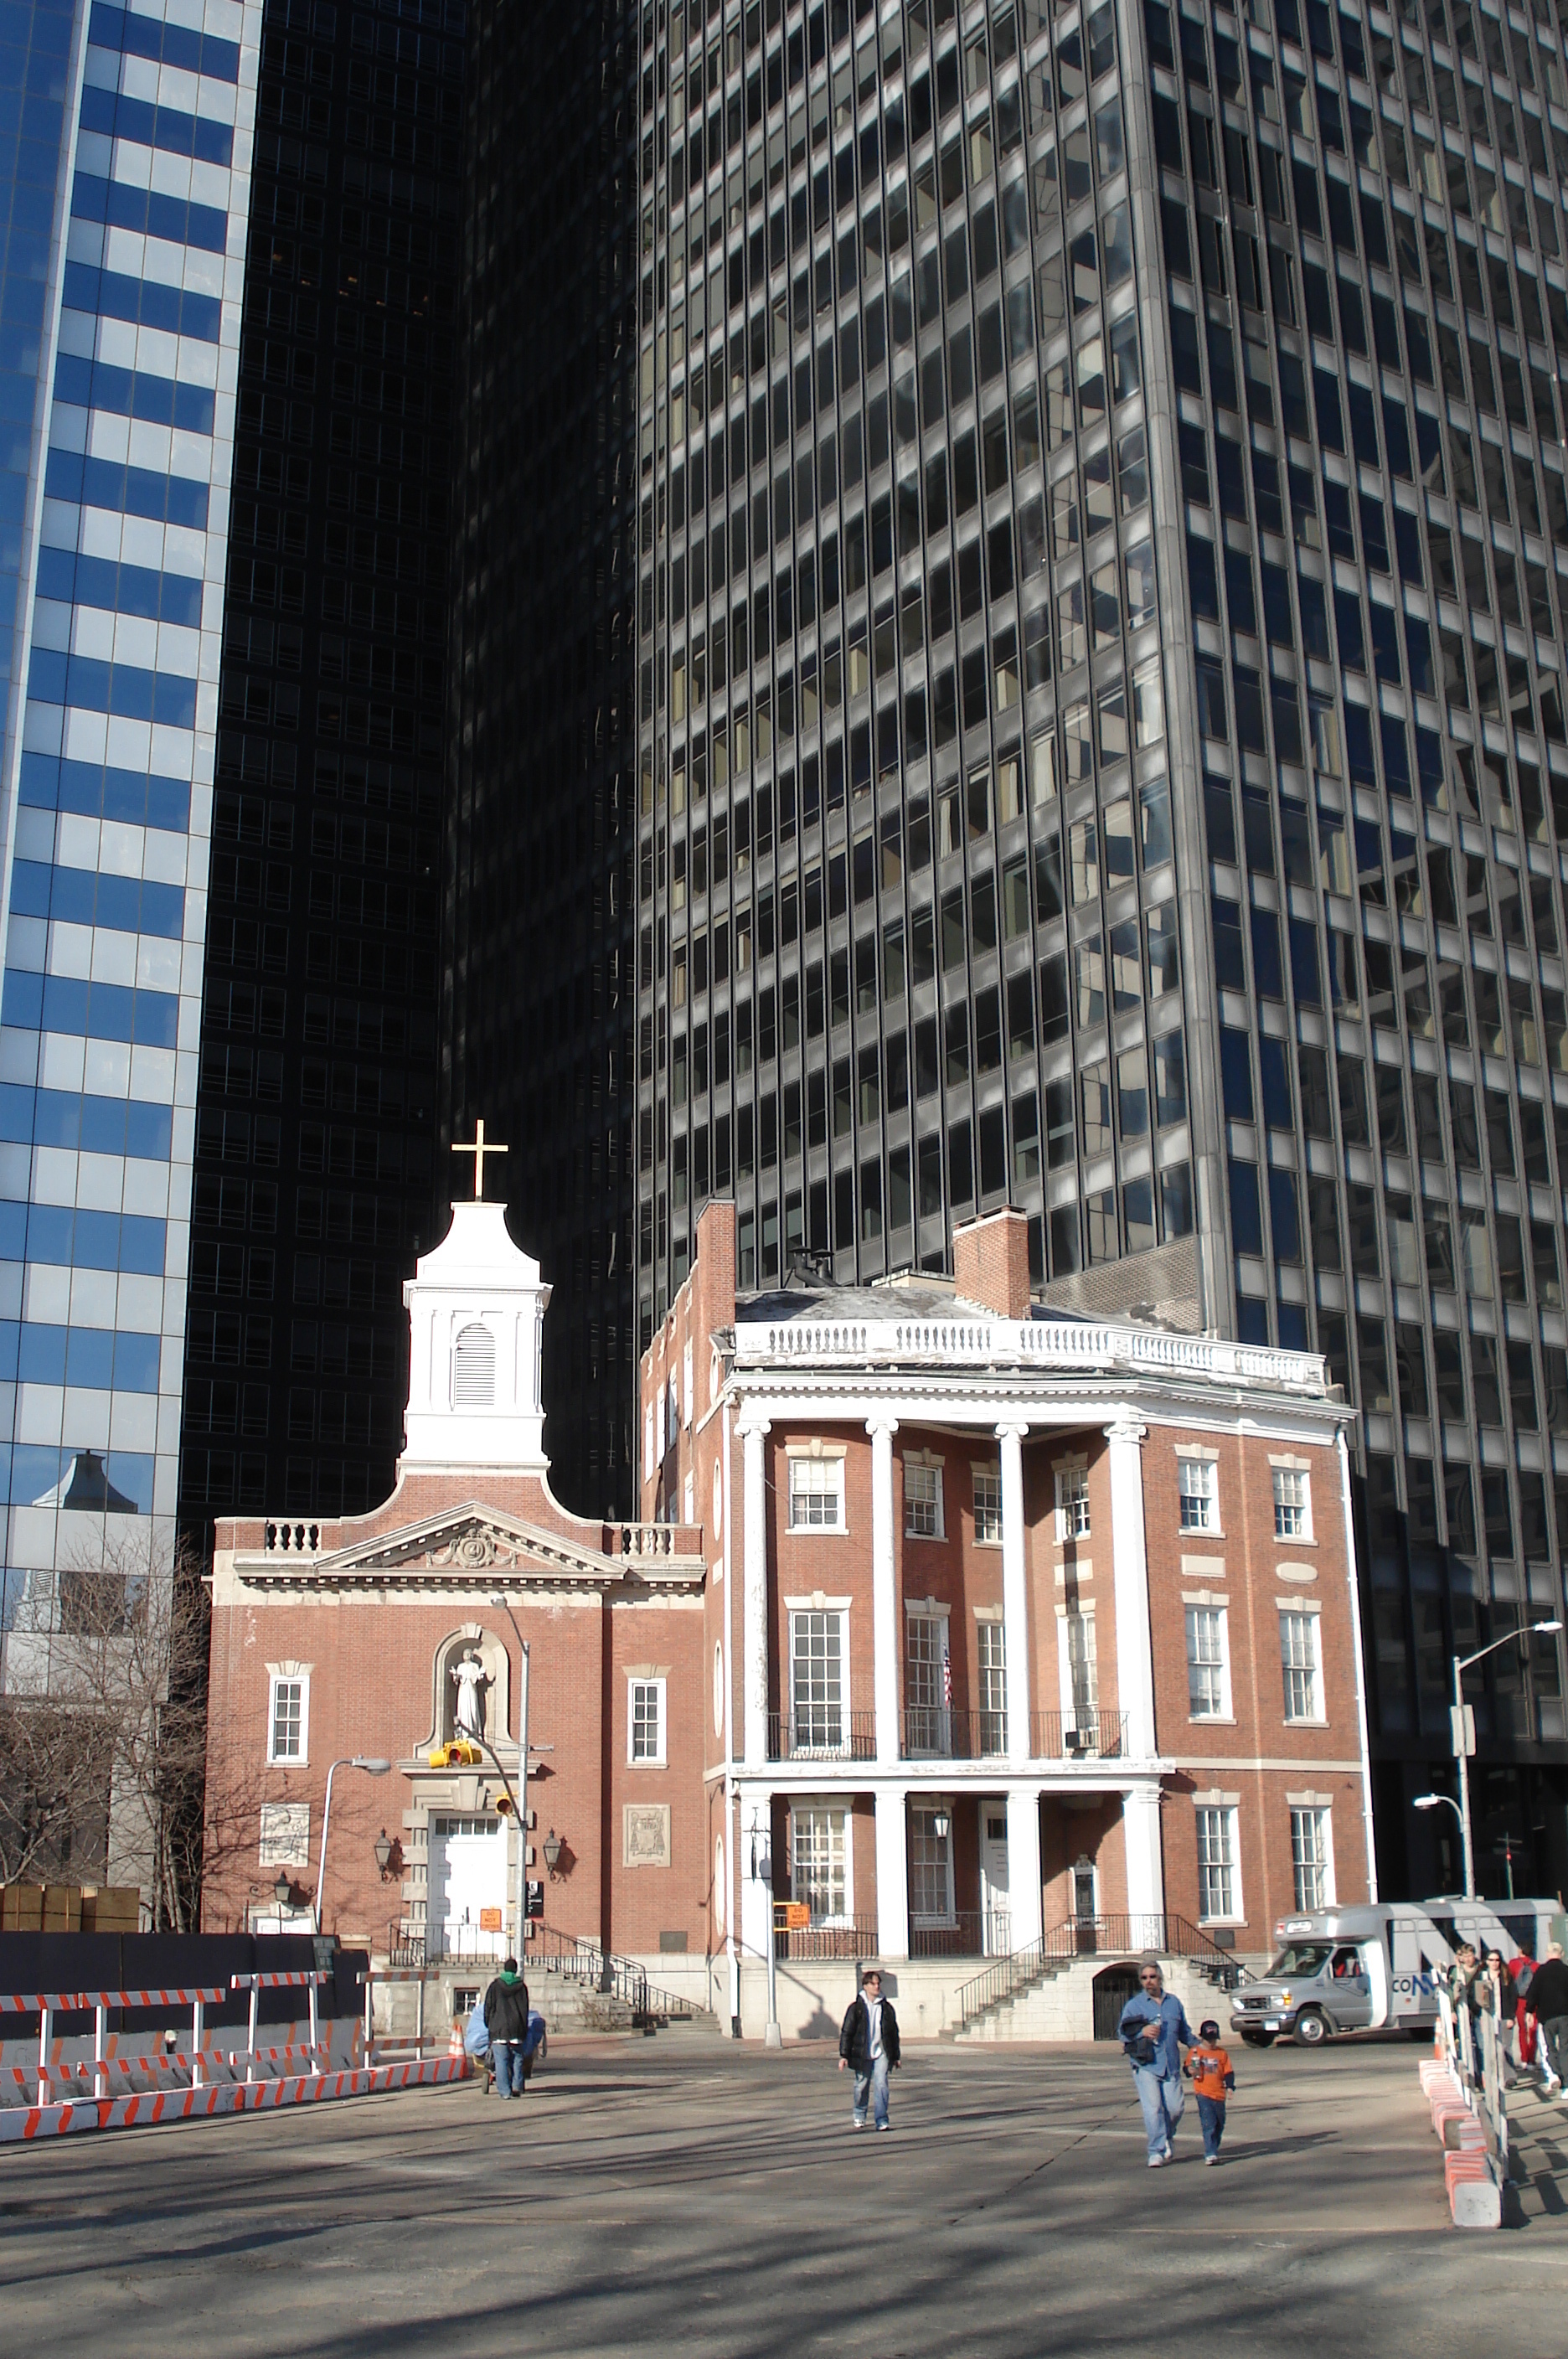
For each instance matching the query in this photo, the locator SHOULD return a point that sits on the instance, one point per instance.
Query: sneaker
(1169, 2151)
(1159, 2161)
(1211, 2159)
(884, 2126)
(857, 2126)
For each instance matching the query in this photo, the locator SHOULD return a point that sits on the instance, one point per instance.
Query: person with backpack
(507, 2021)
(1153, 2028)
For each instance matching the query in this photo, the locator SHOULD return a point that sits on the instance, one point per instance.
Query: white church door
(467, 1907)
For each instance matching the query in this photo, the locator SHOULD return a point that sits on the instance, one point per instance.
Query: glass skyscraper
(125, 166)
(1101, 724)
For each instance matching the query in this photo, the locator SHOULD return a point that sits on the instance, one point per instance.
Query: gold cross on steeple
(477, 1147)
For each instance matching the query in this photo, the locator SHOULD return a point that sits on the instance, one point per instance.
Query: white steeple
(476, 1311)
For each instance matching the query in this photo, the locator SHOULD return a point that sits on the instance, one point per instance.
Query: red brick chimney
(990, 1263)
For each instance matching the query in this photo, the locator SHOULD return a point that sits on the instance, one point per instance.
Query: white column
(884, 1605)
(892, 1875)
(755, 1637)
(1015, 1612)
(1023, 1868)
(1130, 1575)
(1145, 1865)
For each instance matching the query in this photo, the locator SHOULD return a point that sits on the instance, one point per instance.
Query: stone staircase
(579, 1989)
(1049, 1993)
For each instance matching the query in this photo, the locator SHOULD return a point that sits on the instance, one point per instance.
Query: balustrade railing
(822, 1732)
(849, 1936)
(934, 1732)
(1083, 1736)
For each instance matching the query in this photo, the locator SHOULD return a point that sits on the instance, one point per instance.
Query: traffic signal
(504, 1806)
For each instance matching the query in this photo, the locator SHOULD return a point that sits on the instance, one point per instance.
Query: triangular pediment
(453, 1546)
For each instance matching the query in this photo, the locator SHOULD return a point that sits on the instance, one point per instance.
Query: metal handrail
(1086, 1733)
(578, 1958)
(1096, 1937)
(822, 1732)
(937, 1732)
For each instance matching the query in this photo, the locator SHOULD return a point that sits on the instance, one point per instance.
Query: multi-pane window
(646, 1720)
(1312, 1858)
(1071, 1502)
(1198, 1481)
(928, 1685)
(817, 1681)
(988, 1503)
(993, 1686)
(1299, 1655)
(1292, 1505)
(1219, 1870)
(819, 1861)
(922, 1501)
(816, 1495)
(286, 1721)
(1083, 1670)
(930, 1863)
(1208, 1665)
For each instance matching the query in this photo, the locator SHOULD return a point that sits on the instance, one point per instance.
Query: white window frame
(300, 1679)
(816, 1479)
(1293, 1617)
(814, 1808)
(1286, 1478)
(1228, 1828)
(1322, 1814)
(991, 1678)
(828, 1750)
(917, 1502)
(1197, 1661)
(657, 1689)
(1071, 1502)
(1078, 1712)
(931, 1806)
(1198, 1500)
(930, 1718)
(988, 1509)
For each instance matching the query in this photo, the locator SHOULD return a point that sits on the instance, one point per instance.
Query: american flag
(946, 1680)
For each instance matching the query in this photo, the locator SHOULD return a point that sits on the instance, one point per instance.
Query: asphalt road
(681, 2196)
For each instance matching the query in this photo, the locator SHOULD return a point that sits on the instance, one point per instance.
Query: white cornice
(459, 1547)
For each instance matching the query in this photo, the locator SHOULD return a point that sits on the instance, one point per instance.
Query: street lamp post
(522, 1780)
(1462, 1663)
(373, 1766)
(762, 1872)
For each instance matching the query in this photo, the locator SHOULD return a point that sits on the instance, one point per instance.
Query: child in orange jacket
(1209, 2069)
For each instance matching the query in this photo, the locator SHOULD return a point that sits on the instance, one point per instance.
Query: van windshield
(1303, 1959)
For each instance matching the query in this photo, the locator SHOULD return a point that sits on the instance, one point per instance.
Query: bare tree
(128, 1680)
(54, 1792)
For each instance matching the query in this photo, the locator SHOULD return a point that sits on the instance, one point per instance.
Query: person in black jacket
(507, 2021)
(1546, 1998)
(868, 2047)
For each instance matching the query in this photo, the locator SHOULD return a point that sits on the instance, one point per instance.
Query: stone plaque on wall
(646, 1835)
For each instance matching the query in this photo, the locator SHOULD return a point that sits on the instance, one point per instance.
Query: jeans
(1163, 2100)
(1210, 2113)
(872, 2084)
(1551, 2044)
(509, 2056)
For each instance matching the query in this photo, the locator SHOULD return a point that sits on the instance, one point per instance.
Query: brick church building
(952, 1626)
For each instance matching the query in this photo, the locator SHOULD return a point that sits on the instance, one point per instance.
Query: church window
(645, 1733)
(287, 1718)
(474, 1368)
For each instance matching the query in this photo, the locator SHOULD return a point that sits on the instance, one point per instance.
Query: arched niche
(473, 1635)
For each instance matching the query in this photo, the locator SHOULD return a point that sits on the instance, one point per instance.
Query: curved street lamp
(1461, 1665)
(373, 1766)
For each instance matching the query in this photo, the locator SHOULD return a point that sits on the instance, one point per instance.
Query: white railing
(292, 1539)
(1045, 1344)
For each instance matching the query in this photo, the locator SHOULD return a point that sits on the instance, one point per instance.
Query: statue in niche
(472, 1679)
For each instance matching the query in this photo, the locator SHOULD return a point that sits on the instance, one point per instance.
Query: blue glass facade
(124, 163)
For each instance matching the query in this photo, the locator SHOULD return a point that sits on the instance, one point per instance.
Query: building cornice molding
(793, 1395)
(434, 1553)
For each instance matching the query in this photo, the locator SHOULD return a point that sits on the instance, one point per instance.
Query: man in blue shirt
(1151, 2026)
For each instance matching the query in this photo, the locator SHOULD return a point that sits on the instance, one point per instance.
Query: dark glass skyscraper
(537, 1007)
(1100, 730)
(316, 1092)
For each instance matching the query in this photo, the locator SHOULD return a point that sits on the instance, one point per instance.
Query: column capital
(884, 1421)
(748, 1423)
(1012, 1428)
(1126, 1429)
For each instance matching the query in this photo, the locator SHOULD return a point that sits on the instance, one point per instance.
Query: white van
(1365, 1969)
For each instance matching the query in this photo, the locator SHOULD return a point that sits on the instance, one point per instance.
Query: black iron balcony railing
(822, 1732)
(846, 1937)
(935, 1732)
(1082, 1735)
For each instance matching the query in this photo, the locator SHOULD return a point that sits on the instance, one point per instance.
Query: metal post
(1464, 1779)
(197, 2015)
(775, 2037)
(419, 2019)
(44, 2023)
(369, 2028)
(522, 1803)
(100, 2044)
(315, 2012)
(254, 2007)
(322, 1856)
